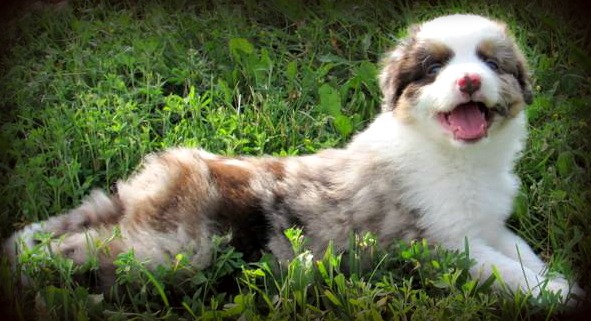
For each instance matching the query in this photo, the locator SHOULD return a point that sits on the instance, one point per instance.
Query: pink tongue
(467, 122)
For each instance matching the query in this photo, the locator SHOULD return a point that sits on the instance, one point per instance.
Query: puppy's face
(459, 78)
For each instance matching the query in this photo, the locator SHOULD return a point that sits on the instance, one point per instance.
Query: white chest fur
(459, 190)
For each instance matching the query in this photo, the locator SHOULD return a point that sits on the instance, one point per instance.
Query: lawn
(89, 87)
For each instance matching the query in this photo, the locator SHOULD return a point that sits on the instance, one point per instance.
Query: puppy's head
(459, 77)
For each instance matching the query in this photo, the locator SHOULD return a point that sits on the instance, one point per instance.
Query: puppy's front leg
(510, 244)
(515, 275)
(517, 249)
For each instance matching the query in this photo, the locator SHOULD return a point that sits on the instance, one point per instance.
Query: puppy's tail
(97, 212)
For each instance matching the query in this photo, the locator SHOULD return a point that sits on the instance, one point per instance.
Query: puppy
(437, 163)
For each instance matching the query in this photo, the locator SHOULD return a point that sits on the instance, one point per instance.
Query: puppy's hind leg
(98, 210)
(97, 247)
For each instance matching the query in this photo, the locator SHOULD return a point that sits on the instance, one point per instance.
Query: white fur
(466, 194)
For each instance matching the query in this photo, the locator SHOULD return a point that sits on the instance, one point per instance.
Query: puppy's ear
(522, 73)
(524, 80)
(390, 79)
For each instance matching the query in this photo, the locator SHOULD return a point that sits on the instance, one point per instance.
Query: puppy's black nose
(469, 84)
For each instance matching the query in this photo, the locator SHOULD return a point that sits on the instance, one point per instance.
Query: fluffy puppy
(437, 163)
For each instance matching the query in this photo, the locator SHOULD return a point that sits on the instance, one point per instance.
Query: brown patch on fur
(276, 168)
(106, 218)
(96, 210)
(115, 216)
(175, 196)
(502, 52)
(239, 211)
(388, 84)
(523, 78)
(511, 96)
(487, 48)
(168, 205)
(232, 181)
(405, 72)
(432, 51)
(510, 61)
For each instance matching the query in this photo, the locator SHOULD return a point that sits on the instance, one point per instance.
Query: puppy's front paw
(18, 243)
(21, 241)
(571, 294)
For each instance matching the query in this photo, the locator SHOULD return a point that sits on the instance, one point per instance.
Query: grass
(90, 88)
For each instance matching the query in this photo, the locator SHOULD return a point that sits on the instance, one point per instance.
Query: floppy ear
(390, 80)
(522, 75)
(521, 72)
(524, 80)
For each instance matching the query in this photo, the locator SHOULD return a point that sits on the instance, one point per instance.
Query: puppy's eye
(493, 65)
(434, 69)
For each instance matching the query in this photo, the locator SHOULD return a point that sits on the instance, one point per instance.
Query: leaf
(343, 125)
(331, 58)
(159, 287)
(226, 92)
(366, 72)
(435, 264)
(291, 70)
(329, 295)
(565, 163)
(323, 272)
(558, 195)
(330, 101)
(487, 284)
(521, 208)
(238, 45)
(256, 272)
(441, 284)
(366, 42)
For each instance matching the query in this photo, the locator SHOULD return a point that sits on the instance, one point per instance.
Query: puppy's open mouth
(468, 122)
